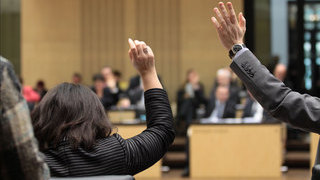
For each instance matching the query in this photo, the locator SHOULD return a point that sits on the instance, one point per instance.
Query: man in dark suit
(302, 111)
(224, 78)
(220, 105)
(135, 91)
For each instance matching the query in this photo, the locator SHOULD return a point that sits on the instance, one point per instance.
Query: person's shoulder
(4, 63)
(114, 138)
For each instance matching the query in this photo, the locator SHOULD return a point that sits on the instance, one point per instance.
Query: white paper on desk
(251, 120)
(231, 120)
(209, 120)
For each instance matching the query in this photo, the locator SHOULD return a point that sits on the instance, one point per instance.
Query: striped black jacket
(114, 155)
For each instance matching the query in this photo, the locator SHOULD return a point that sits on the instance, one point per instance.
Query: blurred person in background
(111, 82)
(77, 78)
(31, 96)
(224, 78)
(41, 88)
(102, 91)
(252, 111)
(122, 85)
(221, 106)
(135, 92)
(189, 98)
(280, 72)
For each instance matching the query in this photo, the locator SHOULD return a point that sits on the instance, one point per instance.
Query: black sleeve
(145, 149)
(302, 111)
(107, 99)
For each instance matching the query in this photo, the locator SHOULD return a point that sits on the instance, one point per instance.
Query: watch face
(236, 48)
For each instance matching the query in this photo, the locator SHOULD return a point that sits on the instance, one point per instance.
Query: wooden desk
(119, 116)
(239, 150)
(314, 140)
(127, 131)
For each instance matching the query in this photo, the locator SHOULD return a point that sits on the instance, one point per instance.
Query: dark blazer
(300, 110)
(134, 90)
(189, 105)
(229, 109)
(247, 111)
(108, 99)
(114, 155)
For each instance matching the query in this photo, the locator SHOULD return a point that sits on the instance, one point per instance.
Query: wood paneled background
(61, 37)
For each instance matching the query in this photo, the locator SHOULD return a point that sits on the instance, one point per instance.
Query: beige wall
(62, 37)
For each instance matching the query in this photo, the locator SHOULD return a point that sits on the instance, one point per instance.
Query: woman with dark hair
(74, 132)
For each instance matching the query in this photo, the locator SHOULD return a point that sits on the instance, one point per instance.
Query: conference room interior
(85, 42)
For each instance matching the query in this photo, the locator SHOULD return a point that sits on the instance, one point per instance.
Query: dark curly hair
(70, 112)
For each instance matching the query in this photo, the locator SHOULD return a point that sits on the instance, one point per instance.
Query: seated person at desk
(136, 97)
(135, 92)
(111, 83)
(102, 92)
(74, 132)
(221, 106)
(224, 78)
(190, 97)
(253, 111)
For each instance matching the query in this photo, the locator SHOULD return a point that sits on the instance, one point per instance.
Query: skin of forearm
(150, 80)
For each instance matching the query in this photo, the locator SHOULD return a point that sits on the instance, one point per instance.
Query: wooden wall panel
(62, 37)
(103, 41)
(200, 46)
(50, 40)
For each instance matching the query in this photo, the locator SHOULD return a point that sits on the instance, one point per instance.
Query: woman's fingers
(139, 47)
(133, 50)
(150, 52)
(131, 43)
(232, 13)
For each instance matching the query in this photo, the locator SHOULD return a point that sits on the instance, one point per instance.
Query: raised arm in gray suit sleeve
(300, 110)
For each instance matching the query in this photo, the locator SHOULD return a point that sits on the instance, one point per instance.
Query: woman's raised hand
(142, 59)
(230, 29)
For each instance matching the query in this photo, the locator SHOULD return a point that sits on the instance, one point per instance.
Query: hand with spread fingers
(142, 59)
(230, 29)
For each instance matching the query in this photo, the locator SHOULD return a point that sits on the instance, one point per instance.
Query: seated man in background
(102, 92)
(136, 97)
(224, 78)
(19, 154)
(189, 98)
(253, 111)
(135, 92)
(221, 106)
(280, 72)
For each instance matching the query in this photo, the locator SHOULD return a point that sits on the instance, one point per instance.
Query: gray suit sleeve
(300, 110)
